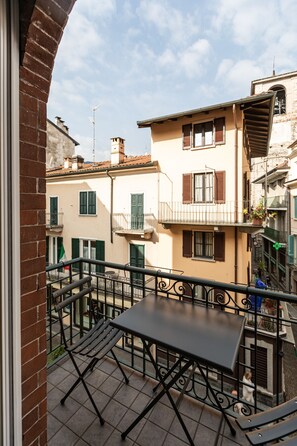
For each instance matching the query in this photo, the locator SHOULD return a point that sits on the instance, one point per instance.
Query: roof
(274, 174)
(63, 131)
(129, 162)
(258, 114)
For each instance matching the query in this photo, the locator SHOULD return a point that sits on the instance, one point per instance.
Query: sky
(139, 59)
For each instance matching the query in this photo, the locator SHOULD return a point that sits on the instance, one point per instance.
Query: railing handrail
(244, 289)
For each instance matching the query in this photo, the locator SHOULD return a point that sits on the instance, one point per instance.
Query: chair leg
(81, 379)
(120, 367)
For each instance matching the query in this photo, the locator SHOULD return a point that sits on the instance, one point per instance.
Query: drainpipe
(236, 196)
(111, 205)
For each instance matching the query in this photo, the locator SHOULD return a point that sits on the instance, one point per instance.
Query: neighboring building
(291, 185)
(59, 144)
(269, 177)
(104, 210)
(204, 156)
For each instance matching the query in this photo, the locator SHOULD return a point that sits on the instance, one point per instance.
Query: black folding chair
(285, 418)
(95, 343)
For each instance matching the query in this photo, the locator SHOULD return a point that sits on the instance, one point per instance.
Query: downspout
(236, 197)
(111, 206)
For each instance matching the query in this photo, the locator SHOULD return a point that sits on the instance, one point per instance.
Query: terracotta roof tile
(101, 165)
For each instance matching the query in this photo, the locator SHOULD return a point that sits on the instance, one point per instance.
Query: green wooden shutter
(137, 217)
(59, 247)
(75, 251)
(83, 199)
(137, 259)
(291, 253)
(53, 211)
(100, 255)
(92, 203)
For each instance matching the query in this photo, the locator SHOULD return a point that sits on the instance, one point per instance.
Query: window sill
(203, 259)
(87, 215)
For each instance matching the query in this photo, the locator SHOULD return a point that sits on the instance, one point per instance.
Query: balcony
(114, 293)
(277, 203)
(275, 235)
(202, 213)
(136, 225)
(54, 222)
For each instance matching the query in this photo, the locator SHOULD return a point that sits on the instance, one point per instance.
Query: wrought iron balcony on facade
(128, 224)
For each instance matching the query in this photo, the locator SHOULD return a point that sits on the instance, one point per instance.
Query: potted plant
(258, 213)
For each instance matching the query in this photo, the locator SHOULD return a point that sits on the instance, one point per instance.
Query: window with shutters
(206, 187)
(89, 249)
(203, 187)
(204, 134)
(295, 207)
(204, 245)
(87, 203)
(53, 246)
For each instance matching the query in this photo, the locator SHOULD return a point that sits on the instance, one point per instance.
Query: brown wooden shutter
(219, 246)
(187, 188)
(187, 243)
(219, 130)
(220, 186)
(261, 366)
(187, 136)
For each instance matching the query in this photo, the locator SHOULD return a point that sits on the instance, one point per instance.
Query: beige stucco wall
(98, 227)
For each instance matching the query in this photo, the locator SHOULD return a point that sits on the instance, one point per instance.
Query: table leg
(233, 431)
(166, 387)
(169, 372)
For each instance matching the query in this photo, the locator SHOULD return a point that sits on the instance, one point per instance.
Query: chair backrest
(68, 300)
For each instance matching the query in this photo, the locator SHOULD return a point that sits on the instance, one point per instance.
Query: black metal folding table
(200, 335)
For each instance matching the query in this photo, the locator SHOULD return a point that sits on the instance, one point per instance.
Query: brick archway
(41, 27)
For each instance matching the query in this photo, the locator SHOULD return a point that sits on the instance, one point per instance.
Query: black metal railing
(117, 287)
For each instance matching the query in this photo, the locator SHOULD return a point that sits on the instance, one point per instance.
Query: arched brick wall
(41, 28)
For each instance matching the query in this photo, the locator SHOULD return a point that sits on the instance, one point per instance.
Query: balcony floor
(75, 423)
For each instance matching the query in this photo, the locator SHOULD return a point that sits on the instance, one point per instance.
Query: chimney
(77, 162)
(117, 150)
(67, 163)
(61, 125)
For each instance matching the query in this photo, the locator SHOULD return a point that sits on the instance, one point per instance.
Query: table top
(208, 336)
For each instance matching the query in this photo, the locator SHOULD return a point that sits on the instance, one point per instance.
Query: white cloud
(170, 22)
(96, 8)
(194, 59)
(237, 76)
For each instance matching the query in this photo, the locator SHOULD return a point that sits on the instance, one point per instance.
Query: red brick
(43, 408)
(33, 299)
(42, 376)
(42, 138)
(31, 266)
(41, 277)
(42, 114)
(41, 188)
(27, 102)
(57, 14)
(28, 118)
(41, 313)
(42, 439)
(40, 19)
(41, 154)
(32, 168)
(40, 54)
(29, 284)
(32, 233)
(33, 366)
(32, 201)
(37, 67)
(29, 250)
(28, 134)
(42, 39)
(31, 90)
(67, 5)
(30, 419)
(41, 217)
(29, 351)
(29, 218)
(28, 185)
(29, 318)
(34, 80)
(31, 333)
(41, 248)
(30, 385)
(29, 151)
(34, 432)
(42, 341)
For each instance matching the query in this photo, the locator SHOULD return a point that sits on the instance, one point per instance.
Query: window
(203, 244)
(89, 249)
(204, 187)
(87, 203)
(53, 248)
(204, 134)
(280, 100)
(207, 245)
